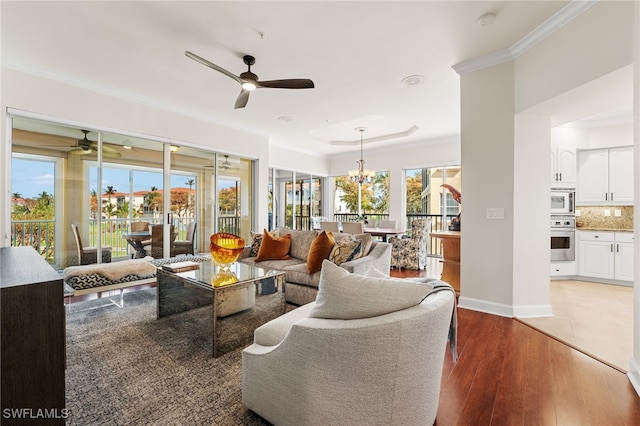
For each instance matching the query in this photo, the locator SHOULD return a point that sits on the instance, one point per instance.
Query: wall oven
(563, 231)
(562, 201)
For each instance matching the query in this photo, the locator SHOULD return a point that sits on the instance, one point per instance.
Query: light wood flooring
(594, 318)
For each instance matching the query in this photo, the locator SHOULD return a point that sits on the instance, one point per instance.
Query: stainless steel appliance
(562, 201)
(563, 231)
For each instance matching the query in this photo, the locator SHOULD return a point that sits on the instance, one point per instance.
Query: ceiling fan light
(247, 85)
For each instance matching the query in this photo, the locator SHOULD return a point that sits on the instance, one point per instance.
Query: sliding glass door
(105, 182)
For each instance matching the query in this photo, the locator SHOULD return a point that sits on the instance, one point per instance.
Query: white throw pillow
(343, 295)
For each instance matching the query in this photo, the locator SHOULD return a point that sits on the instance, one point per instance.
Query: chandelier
(361, 175)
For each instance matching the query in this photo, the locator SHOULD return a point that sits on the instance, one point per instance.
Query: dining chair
(329, 226)
(156, 248)
(388, 223)
(352, 227)
(186, 246)
(89, 255)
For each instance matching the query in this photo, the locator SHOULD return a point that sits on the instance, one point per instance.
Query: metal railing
(39, 234)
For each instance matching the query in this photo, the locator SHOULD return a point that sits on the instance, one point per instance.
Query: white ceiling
(356, 53)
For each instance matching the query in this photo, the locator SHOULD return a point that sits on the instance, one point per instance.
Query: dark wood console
(32, 339)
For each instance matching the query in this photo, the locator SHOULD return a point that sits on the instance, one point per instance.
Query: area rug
(125, 367)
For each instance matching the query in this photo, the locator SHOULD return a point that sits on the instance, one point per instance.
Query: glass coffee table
(239, 291)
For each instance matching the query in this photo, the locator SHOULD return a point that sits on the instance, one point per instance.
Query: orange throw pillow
(321, 247)
(274, 248)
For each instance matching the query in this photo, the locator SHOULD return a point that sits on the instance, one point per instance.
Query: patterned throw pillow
(367, 244)
(345, 250)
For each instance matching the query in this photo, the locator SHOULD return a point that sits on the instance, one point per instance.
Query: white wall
(497, 172)
(610, 136)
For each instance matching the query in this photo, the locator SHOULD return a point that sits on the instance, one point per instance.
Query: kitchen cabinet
(563, 166)
(623, 268)
(605, 255)
(605, 176)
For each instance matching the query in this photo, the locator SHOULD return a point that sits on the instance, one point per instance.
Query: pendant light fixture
(361, 175)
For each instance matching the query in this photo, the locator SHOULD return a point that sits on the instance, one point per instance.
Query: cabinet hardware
(617, 248)
(611, 247)
(560, 176)
(606, 194)
(612, 196)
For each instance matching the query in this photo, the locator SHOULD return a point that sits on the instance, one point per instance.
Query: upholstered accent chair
(186, 246)
(368, 351)
(89, 255)
(411, 253)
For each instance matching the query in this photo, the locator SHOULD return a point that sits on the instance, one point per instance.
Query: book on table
(181, 266)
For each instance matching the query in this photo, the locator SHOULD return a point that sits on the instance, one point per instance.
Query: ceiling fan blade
(292, 83)
(212, 65)
(242, 100)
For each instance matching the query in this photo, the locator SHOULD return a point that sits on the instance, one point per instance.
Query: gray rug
(125, 367)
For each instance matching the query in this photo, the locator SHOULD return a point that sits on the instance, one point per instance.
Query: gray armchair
(411, 253)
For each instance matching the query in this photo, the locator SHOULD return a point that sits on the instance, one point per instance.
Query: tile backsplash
(593, 217)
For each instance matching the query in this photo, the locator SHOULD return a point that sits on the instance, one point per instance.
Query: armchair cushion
(343, 295)
(274, 248)
(320, 249)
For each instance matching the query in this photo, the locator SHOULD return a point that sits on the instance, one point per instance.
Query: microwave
(563, 201)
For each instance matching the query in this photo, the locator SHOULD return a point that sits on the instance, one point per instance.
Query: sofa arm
(379, 257)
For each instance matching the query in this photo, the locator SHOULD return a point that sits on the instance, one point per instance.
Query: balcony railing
(38, 234)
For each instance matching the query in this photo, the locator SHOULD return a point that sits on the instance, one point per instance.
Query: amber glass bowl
(225, 248)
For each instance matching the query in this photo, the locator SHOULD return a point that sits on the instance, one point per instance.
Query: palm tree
(190, 182)
(16, 196)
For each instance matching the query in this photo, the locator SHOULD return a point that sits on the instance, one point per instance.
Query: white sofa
(340, 361)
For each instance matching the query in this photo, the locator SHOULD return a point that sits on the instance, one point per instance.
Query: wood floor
(508, 373)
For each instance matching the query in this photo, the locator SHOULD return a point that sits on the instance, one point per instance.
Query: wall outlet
(617, 213)
(495, 213)
(578, 212)
(607, 213)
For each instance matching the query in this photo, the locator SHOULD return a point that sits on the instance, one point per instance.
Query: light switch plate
(495, 213)
(617, 213)
(578, 212)
(607, 213)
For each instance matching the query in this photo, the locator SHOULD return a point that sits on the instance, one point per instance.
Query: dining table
(136, 240)
(383, 233)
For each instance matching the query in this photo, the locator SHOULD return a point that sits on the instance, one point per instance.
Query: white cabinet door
(621, 175)
(566, 165)
(563, 165)
(596, 254)
(593, 176)
(624, 256)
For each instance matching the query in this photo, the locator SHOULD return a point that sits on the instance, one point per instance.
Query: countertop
(593, 228)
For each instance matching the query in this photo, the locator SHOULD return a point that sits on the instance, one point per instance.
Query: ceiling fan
(85, 147)
(226, 164)
(249, 81)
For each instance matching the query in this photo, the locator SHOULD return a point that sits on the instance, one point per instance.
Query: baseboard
(634, 375)
(510, 311)
(486, 307)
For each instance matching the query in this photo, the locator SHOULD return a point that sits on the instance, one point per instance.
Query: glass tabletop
(210, 275)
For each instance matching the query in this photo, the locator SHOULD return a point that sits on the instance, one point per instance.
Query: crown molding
(548, 27)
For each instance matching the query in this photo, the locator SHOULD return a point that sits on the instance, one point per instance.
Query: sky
(30, 178)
